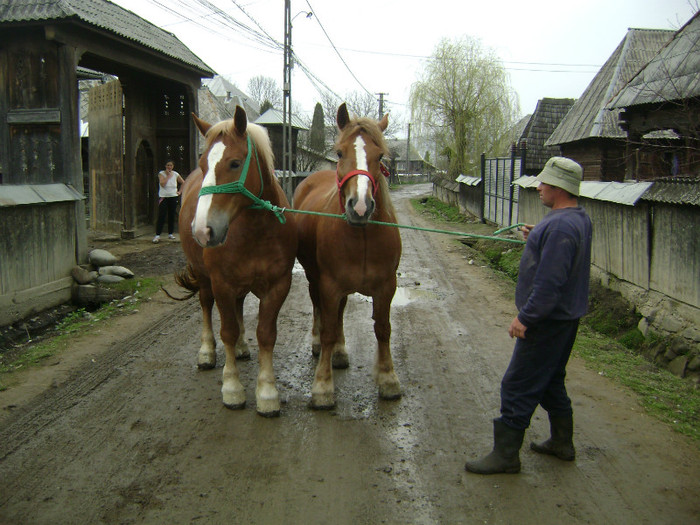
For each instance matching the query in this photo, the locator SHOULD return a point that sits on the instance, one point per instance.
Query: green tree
(463, 101)
(317, 131)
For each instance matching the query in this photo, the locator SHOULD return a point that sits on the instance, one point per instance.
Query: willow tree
(463, 101)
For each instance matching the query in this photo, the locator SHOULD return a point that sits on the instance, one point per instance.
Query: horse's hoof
(233, 399)
(390, 392)
(242, 355)
(273, 413)
(206, 361)
(267, 402)
(340, 361)
(322, 401)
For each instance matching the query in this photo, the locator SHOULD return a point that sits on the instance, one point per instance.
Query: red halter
(352, 173)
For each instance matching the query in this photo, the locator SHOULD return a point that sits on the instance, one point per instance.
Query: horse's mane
(258, 135)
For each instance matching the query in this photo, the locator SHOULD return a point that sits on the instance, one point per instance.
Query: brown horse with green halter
(233, 249)
(341, 257)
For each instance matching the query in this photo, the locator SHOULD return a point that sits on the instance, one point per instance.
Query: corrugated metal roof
(677, 190)
(673, 74)
(589, 116)
(527, 181)
(276, 117)
(469, 181)
(19, 194)
(627, 193)
(619, 192)
(106, 16)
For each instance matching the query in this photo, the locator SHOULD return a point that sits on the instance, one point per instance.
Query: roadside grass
(133, 292)
(608, 341)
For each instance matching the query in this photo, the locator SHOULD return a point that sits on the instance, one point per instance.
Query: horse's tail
(188, 280)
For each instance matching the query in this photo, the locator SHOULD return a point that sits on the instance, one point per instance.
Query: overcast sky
(550, 48)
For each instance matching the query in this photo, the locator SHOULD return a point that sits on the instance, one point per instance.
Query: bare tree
(265, 91)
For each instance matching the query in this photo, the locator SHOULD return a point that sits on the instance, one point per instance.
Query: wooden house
(664, 97)
(589, 133)
(136, 123)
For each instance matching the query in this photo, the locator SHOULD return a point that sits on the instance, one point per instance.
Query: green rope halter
(239, 187)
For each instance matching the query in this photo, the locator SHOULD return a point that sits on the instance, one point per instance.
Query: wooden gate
(146, 194)
(107, 157)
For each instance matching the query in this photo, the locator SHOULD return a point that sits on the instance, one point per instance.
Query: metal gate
(500, 196)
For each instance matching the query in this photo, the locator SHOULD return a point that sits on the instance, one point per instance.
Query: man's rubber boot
(561, 443)
(505, 456)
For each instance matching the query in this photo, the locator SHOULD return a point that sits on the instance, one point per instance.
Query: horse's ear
(240, 120)
(202, 126)
(342, 118)
(384, 123)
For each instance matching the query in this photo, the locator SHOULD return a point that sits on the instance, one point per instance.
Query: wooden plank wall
(37, 245)
(675, 261)
(654, 246)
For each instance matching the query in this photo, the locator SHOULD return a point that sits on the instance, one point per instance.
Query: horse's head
(360, 148)
(231, 170)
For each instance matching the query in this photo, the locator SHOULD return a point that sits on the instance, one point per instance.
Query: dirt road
(129, 431)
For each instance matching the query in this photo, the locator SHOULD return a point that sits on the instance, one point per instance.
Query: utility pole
(408, 148)
(287, 100)
(381, 104)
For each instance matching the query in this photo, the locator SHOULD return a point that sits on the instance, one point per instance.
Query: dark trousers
(166, 207)
(536, 373)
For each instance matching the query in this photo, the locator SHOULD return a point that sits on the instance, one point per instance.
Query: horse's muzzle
(359, 212)
(212, 234)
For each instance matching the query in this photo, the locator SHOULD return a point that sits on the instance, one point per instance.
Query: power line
(336, 49)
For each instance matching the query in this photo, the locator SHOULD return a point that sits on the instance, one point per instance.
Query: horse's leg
(340, 354)
(316, 327)
(241, 349)
(206, 358)
(232, 390)
(384, 375)
(322, 390)
(266, 396)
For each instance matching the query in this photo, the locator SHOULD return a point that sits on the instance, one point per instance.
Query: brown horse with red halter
(341, 257)
(233, 249)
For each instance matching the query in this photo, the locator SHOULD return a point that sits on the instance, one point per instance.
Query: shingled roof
(673, 74)
(106, 16)
(547, 116)
(589, 116)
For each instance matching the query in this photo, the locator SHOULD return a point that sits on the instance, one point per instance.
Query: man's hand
(525, 228)
(517, 329)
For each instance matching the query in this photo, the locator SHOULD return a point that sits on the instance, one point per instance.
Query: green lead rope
(260, 204)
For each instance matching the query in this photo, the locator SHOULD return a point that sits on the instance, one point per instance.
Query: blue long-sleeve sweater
(555, 268)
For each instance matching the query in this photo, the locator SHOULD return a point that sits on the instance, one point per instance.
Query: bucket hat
(563, 173)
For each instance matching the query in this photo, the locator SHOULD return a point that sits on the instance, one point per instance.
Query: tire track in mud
(55, 403)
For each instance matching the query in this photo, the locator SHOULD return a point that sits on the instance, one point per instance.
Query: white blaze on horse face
(362, 180)
(204, 202)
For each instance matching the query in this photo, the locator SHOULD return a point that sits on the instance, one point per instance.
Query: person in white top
(169, 182)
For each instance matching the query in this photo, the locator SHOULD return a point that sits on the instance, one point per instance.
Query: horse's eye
(235, 165)
(340, 154)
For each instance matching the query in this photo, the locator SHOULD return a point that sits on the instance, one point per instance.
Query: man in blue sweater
(551, 297)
